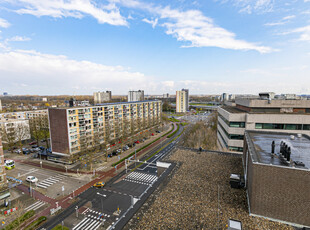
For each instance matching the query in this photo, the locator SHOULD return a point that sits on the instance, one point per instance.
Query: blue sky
(51, 47)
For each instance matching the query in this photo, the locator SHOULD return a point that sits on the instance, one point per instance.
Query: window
(281, 126)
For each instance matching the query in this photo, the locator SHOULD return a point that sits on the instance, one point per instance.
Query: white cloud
(192, 26)
(252, 6)
(72, 8)
(4, 23)
(283, 21)
(18, 39)
(57, 73)
(303, 31)
(152, 22)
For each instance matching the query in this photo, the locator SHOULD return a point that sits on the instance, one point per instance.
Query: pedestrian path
(101, 168)
(35, 206)
(141, 178)
(52, 180)
(92, 221)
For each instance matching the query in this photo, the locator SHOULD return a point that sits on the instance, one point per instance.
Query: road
(126, 192)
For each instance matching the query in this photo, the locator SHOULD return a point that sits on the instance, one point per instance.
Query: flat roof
(261, 142)
(232, 109)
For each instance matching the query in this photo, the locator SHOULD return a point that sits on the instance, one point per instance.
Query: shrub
(15, 224)
(59, 227)
(36, 223)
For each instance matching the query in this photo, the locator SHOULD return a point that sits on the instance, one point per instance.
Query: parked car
(158, 131)
(108, 148)
(124, 148)
(32, 179)
(34, 146)
(33, 143)
(152, 134)
(42, 148)
(109, 155)
(114, 153)
(99, 184)
(17, 151)
(137, 142)
(130, 145)
(119, 150)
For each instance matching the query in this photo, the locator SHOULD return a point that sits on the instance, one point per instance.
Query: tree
(44, 126)
(36, 128)
(8, 135)
(166, 106)
(22, 133)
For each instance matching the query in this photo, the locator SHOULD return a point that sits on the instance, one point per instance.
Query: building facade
(101, 97)
(182, 101)
(70, 128)
(4, 189)
(15, 130)
(279, 115)
(24, 114)
(136, 96)
(277, 176)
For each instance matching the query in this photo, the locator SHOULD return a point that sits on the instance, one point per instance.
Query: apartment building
(277, 176)
(23, 114)
(182, 101)
(72, 127)
(0, 106)
(260, 113)
(136, 95)
(4, 189)
(101, 97)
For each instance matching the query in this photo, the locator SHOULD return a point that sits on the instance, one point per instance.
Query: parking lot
(50, 183)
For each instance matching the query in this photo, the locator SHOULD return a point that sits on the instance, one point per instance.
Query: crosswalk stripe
(83, 224)
(42, 186)
(97, 226)
(80, 223)
(35, 206)
(92, 224)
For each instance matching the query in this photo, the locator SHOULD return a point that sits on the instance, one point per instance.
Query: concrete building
(182, 101)
(101, 97)
(277, 176)
(136, 95)
(0, 106)
(70, 127)
(4, 189)
(24, 114)
(260, 113)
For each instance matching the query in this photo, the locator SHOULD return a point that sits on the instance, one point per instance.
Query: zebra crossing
(141, 178)
(101, 168)
(92, 221)
(35, 206)
(51, 180)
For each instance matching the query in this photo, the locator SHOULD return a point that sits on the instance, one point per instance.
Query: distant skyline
(57, 47)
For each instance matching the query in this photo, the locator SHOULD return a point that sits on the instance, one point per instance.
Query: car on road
(9, 164)
(32, 179)
(99, 184)
(17, 151)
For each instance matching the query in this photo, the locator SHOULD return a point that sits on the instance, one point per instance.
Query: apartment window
(233, 124)
(232, 136)
(236, 149)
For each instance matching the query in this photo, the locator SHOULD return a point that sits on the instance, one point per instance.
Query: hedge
(138, 150)
(15, 224)
(59, 227)
(36, 223)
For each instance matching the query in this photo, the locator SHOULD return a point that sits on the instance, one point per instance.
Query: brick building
(278, 183)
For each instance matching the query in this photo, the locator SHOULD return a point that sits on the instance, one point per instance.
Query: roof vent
(292, 137)
(299, 135)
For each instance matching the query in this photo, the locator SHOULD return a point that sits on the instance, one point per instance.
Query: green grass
(184, 123)
(138, 150)
(173, 120)
(18, 221)
(36, 223)
(59, 227)
(172, 134)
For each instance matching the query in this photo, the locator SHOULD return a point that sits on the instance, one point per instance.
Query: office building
(102, 124)
(4, 189)
(277, 176)
(182, 101)
(101, 97)
(136, 95)
(260, 113)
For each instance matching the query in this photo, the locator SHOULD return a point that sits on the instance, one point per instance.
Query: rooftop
(232, 109)
(261, 142)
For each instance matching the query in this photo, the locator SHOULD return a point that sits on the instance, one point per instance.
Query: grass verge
(36, 223)
(18, 221)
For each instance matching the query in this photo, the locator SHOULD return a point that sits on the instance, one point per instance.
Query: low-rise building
(24, 114)
(260, 113)
(70, 127)
(15, 130)
(277, 176)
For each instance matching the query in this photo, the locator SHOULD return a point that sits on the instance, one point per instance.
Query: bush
(59, 227)
(36, 223)
(15, 224)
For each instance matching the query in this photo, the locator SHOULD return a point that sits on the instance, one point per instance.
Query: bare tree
(22, 133)
(35, 126)
(8, 135)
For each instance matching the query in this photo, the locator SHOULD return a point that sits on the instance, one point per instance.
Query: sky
(75, 47)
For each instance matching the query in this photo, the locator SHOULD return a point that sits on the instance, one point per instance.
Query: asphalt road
(126, 192)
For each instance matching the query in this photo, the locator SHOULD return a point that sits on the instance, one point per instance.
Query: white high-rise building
(101, 97)
(136, 95)
(182, 101)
